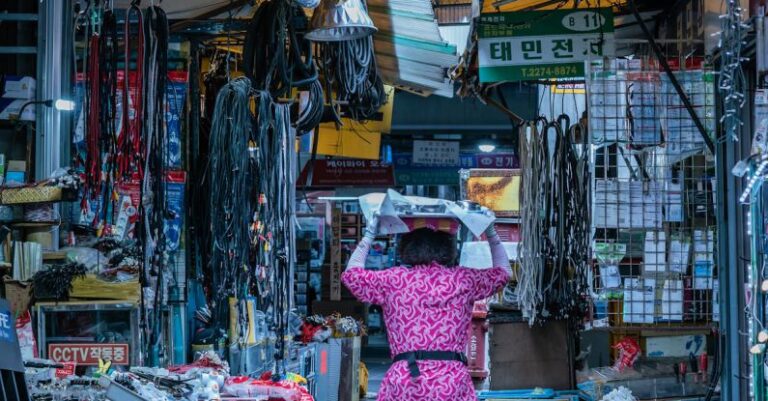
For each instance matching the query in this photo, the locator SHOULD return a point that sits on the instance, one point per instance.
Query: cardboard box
(18, 293)
(17, 165)
(530, 357)
(17, 87)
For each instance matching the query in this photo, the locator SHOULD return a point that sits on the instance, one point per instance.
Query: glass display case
(84, 332)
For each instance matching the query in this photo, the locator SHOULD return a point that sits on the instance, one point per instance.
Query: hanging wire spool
(340, 20)
(229, 205)
(278, 58)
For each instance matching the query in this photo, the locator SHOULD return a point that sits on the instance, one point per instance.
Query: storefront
(220, 200)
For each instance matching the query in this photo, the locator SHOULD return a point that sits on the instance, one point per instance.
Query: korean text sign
(533, 45)
(89, 353)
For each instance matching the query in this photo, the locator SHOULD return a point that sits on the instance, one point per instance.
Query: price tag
(66, 371)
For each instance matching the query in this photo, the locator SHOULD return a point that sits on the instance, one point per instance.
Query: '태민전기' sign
(533, 45)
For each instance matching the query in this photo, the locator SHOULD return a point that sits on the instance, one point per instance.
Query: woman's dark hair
(424, 246)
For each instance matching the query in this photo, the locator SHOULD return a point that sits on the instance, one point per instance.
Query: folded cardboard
(17, 87)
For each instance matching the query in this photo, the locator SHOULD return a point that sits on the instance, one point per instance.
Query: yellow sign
(381, 122)
(356, 144)
(500, 6)
(356, 139)
(568, 88)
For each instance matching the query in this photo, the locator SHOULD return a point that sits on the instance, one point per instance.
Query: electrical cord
(275, 235)
(276, 35)
(229, 205)
(129, 143)
(351, 72)
(555, 217)
(153, 207)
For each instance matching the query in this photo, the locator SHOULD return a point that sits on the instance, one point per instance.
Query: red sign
(89, 353)
(66, 371)
(348, 173)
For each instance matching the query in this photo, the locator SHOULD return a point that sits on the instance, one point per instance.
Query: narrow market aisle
(377, 368)
(377, 359)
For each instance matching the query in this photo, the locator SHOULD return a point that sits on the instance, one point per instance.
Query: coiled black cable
(153, 208)
(229, 206)
(350, 70)
(277, 58)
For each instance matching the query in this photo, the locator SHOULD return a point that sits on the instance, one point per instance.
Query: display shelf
(34, 224)
(653, 208)
(656, 328)
(54, 255)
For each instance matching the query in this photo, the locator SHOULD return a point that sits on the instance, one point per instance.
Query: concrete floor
(376, 358)
(377, 368)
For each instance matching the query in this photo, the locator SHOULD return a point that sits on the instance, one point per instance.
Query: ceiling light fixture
(339, 20)
(487, 147)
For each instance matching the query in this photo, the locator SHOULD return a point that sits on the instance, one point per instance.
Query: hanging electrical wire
(130, 154)
(153, 209)
(350, 70)
(275, 225)
(554, 258)
(732, 80)
(278, 58)
(229, 204)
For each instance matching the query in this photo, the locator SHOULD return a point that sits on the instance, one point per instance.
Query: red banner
(348, 173)
(89, 353)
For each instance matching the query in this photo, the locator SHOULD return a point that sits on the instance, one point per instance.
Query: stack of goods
(18, 91)
(104, 269)
(207, 379)
(317, 328)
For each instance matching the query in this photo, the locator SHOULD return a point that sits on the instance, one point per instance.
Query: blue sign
(9, 346)
(6, 326)
(405, 160)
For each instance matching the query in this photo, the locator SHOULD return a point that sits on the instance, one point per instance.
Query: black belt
(412, 357)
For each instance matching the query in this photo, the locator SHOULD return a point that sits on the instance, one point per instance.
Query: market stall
(215, 200)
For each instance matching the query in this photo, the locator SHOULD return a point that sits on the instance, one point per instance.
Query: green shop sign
(533, 45)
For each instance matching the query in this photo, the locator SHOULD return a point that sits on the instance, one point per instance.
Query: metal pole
(48, 140)
(758, 304)
(729, 232)
(51, 65)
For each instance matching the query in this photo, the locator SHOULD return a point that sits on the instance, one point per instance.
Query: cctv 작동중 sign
(89, 353)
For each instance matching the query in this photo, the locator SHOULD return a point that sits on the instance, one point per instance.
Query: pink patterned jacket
(426, 308)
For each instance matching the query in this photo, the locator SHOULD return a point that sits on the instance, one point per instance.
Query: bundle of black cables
(153, 209)
(108, 48)
(229, 205)
(278, 58)
(350, 70)
(55, 282)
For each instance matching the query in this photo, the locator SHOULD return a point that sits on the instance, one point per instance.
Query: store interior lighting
(757, 349)
(487, 147)
(64, 105)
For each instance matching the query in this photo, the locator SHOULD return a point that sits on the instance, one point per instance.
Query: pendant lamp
(338, 20)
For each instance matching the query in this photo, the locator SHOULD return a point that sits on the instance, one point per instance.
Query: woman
(427, 311)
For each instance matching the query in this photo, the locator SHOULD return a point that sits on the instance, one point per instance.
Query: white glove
(372, 226)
